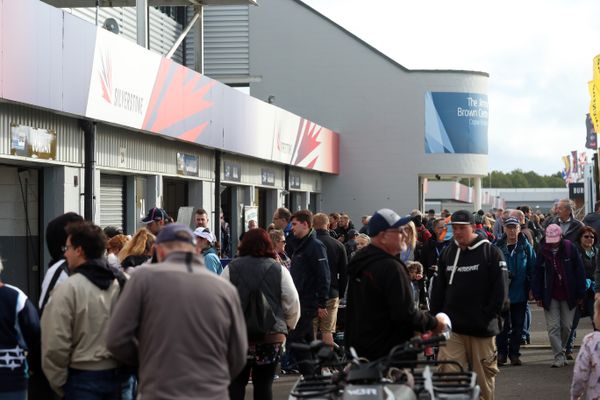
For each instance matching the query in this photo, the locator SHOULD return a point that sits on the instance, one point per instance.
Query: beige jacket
(74, 326)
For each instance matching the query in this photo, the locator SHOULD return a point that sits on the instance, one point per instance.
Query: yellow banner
(597, 68)
(594, 90)
(567, 162)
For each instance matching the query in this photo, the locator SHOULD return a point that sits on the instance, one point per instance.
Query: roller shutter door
(112, 201)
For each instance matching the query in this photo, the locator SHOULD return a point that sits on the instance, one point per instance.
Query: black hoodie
(100, 273)
(380, 313)
(475, 292)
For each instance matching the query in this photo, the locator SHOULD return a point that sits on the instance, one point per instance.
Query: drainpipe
(89, 196)
(217, 217)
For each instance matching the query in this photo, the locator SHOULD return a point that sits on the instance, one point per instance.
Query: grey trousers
(558, 323)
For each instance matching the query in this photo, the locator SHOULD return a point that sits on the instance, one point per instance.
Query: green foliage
(519, 179)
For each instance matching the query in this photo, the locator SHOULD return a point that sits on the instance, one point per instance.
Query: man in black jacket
(337, 260)
(380, 312)
(471, 287)
(310, 272)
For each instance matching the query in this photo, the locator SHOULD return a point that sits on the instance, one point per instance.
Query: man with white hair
(564, 218)
(204, 247)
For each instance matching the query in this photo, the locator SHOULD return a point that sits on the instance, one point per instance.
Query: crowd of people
(161, 315)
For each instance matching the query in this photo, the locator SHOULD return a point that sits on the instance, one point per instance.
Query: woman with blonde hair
(138, 250)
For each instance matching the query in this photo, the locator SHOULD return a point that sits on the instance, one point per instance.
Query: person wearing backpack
(271, 308)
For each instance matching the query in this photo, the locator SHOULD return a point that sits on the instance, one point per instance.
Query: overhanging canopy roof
(131, 3)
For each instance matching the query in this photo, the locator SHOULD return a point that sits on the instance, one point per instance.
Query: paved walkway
(533, 380)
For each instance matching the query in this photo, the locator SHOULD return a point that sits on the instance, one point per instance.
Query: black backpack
(258, 313)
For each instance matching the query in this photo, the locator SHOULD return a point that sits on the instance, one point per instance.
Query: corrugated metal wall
(163, 29)
(252, 169)
(309, 181)
(69, 147)
(226, 41)
(146, 153)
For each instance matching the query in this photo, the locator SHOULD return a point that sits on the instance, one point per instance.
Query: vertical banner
(575, 164)
(591, 139)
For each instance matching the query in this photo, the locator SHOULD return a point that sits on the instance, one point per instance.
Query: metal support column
(89, 197)
(142, 23)
(286, 198)
(477, 194)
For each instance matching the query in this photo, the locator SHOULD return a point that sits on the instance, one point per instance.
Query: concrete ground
(533, 380)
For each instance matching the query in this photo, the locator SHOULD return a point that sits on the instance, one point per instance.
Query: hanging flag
(597, 68)
(591, 139)
(582, 160)
(567, 162)
(594, 103)
(574, 163)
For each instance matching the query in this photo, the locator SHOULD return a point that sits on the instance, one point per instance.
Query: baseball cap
(553, 233)
(175, 233)
(204, 233)
(352, 233)
(511, 221)
(462, 217)
(155, 214)
(385, 219)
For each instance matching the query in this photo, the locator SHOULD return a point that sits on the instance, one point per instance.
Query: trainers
(501, 359)
(558, 363)
(516, 361)
(569, 356)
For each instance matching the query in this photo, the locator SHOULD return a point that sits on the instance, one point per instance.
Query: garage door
(112, 201)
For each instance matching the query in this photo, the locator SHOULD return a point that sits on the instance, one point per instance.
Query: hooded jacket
(310, 271)
(520, 263)
(380, 312)
(543, 275)
(471, 287)
(75, 321)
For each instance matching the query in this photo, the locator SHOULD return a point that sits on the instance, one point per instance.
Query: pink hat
(553, 233)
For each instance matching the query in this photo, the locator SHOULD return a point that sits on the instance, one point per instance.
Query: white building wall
(314, 68)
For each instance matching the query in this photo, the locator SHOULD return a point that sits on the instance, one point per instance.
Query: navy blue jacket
(16, 311)
(543, 274)
(310, 272)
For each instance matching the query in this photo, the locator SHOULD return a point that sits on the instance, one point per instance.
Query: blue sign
(456, 123)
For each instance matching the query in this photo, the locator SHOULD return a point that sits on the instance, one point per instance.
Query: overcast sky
(538, 53)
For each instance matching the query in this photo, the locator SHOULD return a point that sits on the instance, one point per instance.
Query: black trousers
(303, 334)
(262, 381)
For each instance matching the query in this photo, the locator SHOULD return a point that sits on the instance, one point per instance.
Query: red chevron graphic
(309, 141)
(180, 99)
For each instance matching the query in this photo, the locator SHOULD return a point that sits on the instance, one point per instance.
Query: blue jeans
(20, 395)
(527, 323)
(509, 340)
(94, 385)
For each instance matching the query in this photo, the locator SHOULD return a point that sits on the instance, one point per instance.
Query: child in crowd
(415, 271)
(586, 373)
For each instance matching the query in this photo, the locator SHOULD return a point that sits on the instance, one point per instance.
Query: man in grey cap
(471, 288)
(181, 324)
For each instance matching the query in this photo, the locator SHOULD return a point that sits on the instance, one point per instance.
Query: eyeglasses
(588, 236)
(64, 248)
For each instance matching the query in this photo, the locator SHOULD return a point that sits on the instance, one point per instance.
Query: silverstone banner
(456, 123)
(53, 60)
